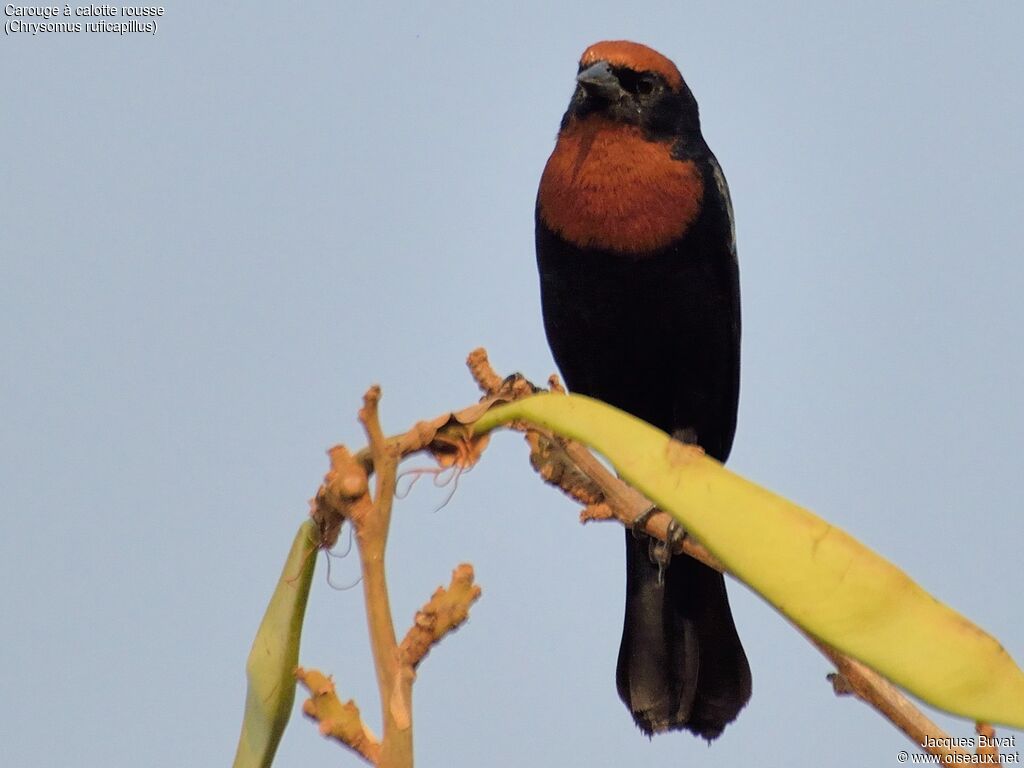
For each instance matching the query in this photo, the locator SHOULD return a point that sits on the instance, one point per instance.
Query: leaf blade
(275, 654)
(816, 574)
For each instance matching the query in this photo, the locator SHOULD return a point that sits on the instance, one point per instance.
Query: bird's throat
(607, 186)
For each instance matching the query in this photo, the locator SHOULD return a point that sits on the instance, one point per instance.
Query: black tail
(681, 664)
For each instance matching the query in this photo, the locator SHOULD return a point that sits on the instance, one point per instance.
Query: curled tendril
(443, 477)
(348, 548)
(331, 555)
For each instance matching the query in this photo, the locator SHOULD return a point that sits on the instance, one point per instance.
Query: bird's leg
(660, 552)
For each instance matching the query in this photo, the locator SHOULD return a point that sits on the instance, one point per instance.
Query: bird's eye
(641, 85)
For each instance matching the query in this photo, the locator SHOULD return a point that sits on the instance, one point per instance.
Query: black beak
(599, 80)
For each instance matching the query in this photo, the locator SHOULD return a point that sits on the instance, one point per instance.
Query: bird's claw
(676, 534)
(638, 525)
(660, 552)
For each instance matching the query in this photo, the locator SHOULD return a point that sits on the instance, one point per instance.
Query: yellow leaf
(818, 575)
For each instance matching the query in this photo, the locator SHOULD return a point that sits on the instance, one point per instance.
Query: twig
(339, 721)
(372, 536)
(852, 677)
(987, 747)
(443, 614)
(344, 496)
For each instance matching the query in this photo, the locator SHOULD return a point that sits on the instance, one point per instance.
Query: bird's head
(632, 84)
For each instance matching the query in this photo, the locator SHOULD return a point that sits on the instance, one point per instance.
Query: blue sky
(215, 238)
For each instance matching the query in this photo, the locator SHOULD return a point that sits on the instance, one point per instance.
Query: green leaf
(819, 576)
(275, 654)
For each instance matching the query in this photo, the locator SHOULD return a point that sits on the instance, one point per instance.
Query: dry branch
(345, 496)
(854, 678)
(574, 470)
(338, 721)
(444, 613)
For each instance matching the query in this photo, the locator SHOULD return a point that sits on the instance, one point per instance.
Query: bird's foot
(638, 525)
(660, 552)
(510, 382)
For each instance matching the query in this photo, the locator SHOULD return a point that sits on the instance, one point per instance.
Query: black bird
(640, 289)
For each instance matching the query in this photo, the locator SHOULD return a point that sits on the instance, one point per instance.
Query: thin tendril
(348, 548)
(332, 585)
(415, 474)
(453, 481)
